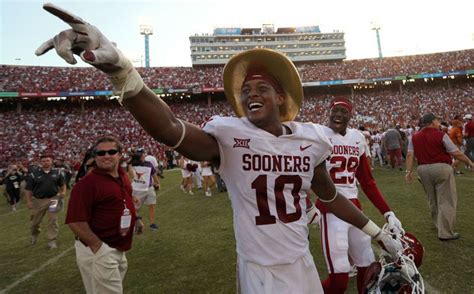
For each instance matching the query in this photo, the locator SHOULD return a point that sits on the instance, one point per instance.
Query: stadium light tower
(376, 28)
(146, 30)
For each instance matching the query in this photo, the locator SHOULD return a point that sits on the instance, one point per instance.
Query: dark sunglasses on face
(103, 152)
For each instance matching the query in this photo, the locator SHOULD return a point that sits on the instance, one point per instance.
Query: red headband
(264, 77)
(342, 102)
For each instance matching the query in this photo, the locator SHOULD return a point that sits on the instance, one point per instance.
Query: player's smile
(338, 119)
(254, 106)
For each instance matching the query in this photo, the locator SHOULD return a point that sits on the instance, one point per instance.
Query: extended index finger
(74, 21)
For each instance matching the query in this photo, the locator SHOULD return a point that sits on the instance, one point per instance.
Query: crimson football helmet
(399, 275)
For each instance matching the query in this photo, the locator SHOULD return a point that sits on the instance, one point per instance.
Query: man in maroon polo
(102, 216)
(434, 150)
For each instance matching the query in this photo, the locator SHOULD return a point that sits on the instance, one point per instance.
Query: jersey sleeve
(367, 182)
(324, 144)
(211, 126)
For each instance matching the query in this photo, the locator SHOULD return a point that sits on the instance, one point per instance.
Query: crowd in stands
(46, 79)
(62, 126)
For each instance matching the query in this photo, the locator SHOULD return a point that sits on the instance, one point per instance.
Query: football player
(267, 160)
(348, 164)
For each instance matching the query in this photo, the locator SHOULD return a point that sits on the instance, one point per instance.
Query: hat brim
(277, 65)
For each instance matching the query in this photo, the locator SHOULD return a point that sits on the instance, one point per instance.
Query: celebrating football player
(267, 160)
(347, 165)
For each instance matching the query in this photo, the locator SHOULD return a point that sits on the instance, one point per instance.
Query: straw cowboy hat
(271, 62)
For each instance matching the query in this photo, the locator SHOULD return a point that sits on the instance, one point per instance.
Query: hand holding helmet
(393, 223)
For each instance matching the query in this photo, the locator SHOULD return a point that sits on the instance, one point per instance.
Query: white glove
(94, 48)
(393, 223)
(389, 244)
(313, 214)
(384, 238)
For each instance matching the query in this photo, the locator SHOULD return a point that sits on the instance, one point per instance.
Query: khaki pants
(40, 207)
(440, 187)
(102, 272)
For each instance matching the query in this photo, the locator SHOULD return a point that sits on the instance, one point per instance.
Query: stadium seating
(44, 79)
(63, 127)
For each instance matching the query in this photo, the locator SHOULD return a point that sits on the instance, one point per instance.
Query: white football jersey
(344, 160)
(267, 178)
(377, 139)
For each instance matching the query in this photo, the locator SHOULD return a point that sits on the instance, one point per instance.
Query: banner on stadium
(400, 78)
(227, 31)
(311, 84)
(158, 91)
(330, 83)
(9, 94)
(458, 73)
(354, 81)
(427, 76)
(177, 91)
(207, 90)
(39, 94)
(103, 93)
(470, 71)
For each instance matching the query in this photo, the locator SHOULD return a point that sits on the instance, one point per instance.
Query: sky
(407, 26)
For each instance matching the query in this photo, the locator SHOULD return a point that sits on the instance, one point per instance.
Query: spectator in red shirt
(101, 214)
(469, 136)
(433, 150)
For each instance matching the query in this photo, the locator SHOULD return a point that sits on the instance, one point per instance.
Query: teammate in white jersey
(268, 162)
(376, 139)
(348, 164)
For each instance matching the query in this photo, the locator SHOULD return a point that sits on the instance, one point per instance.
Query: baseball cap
(427, 119)
(468, 116)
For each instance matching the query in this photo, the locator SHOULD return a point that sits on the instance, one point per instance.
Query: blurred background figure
(12, 182)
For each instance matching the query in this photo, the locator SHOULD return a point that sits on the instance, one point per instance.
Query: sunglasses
(103, 152)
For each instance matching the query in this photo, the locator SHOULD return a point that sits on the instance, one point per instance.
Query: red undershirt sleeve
(368, 185)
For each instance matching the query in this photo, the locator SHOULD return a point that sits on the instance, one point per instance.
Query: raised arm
(159, 121)
(86, 41)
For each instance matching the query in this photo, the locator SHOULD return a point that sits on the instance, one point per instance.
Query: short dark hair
(107, 139)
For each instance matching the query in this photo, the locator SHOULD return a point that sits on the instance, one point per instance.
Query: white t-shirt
(142, 177)
(267, 178)
(344, 160)
(152, 160)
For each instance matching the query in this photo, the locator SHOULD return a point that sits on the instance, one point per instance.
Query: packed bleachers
(44, 79)
(62, 126)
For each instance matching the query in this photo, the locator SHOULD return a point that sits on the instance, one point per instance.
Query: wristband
(371, 229)
(330, 200)
(127, 82)
(183, 133)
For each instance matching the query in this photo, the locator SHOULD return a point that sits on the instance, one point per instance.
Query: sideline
(33, 272)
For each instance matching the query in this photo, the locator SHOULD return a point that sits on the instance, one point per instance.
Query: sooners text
(275, 163)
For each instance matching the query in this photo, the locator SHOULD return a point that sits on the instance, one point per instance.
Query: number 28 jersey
(267, 178)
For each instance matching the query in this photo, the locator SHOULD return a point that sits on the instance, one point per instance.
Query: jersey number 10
(265, 217)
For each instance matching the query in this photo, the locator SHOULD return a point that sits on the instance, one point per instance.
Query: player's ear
(280, 99)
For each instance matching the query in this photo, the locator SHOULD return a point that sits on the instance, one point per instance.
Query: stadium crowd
(63, 126)
(46, 79)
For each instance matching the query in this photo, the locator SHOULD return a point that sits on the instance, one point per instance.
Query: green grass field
(194, 249)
